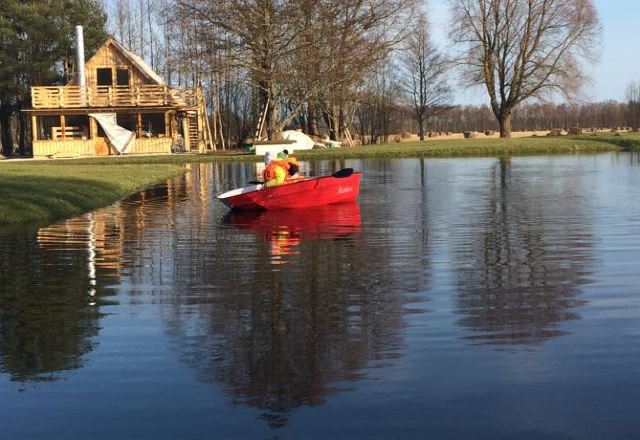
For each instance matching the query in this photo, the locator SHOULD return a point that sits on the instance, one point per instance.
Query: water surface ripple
(458, 298)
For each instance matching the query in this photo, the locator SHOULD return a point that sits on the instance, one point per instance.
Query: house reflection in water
(50, 300)
(55, 278)
(276, 336)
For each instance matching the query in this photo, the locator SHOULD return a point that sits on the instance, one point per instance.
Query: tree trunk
(5, 124)
(334, 123)
(504, 120)
(273, 133)
(24, 135)
(312, 123)
(421, 128)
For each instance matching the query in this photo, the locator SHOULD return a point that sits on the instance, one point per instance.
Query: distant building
(121, 88)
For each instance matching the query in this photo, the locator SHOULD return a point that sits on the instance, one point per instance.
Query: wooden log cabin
(164, 119)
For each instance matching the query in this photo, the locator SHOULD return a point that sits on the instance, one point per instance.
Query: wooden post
(167, 124)
(93, 128)
(208, 138)
(347, 136)
(139, 125)
(219, 119)
(62, 126)
(215, 126)
(173, 116)
(34, 129)
(185, 133)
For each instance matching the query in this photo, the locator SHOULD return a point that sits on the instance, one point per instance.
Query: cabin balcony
(114, 96)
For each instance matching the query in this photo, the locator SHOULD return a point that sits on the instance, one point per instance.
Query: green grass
(485, 147)
(586, 143)
(163, 159)
(626, 141)
(37, 193)
(43, 191)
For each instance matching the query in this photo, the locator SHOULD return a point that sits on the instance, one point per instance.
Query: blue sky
(619, 63)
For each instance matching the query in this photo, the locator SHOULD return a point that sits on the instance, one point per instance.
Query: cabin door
(100, 143)
(101, 146)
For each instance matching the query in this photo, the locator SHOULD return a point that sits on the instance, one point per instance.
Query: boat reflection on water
(285, 229)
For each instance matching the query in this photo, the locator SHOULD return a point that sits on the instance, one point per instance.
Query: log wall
(108, 57)
(79, 147)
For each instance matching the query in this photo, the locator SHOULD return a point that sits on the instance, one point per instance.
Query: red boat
(285, 230)
(315, 222)
(342, 186)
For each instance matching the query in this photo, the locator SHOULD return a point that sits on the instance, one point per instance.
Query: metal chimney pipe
(82, 80)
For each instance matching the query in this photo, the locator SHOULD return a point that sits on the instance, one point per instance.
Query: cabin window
(104, 77)
(153, 125)
(128, 121)
(122, 77)
(76, 127)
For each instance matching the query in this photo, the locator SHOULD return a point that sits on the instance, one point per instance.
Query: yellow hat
(293, 160)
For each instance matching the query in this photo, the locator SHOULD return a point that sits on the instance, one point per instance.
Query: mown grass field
(38, 191)
(486, 147)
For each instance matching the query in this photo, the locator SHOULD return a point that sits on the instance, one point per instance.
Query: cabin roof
(134, 59)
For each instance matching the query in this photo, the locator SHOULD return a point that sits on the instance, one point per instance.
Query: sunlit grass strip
(471, 148)
(32, 193)
(587, 143)
(626, 141)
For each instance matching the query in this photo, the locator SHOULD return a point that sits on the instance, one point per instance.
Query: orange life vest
(269, 172)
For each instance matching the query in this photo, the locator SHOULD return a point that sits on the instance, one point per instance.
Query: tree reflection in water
(281, 336)
(277, 336)
(521, 271)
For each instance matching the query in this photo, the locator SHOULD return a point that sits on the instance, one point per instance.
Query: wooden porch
(69, 97)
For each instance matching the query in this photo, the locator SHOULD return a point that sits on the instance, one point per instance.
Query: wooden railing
(114, 96)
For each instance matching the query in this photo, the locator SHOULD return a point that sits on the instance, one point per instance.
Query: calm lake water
(458, 299)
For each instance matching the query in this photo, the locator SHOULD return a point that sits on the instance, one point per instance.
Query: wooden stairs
(195, 126)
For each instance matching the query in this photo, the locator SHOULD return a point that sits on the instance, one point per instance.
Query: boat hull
(314, 191)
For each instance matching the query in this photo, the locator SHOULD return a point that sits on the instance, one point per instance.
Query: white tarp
(302, 141)
(120, 138)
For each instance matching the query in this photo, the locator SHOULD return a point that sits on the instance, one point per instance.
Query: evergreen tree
(37, 47)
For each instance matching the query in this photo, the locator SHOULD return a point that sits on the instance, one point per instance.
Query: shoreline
(40, 192)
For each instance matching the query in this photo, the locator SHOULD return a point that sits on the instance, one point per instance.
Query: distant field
(487, 146)
(41, 191)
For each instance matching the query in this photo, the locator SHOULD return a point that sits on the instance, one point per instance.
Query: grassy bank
(587, 143)
(37, 193)
(44, 191)
(486, 147)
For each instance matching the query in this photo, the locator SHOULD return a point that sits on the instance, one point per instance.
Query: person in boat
(275, 173)
(294, 168)
(279, 172)
(283, 155)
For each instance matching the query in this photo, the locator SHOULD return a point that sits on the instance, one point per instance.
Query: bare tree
(361, 36)
(519, 49)
(378, 110)
(303, 54)
(425, 70)
(633, 105)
